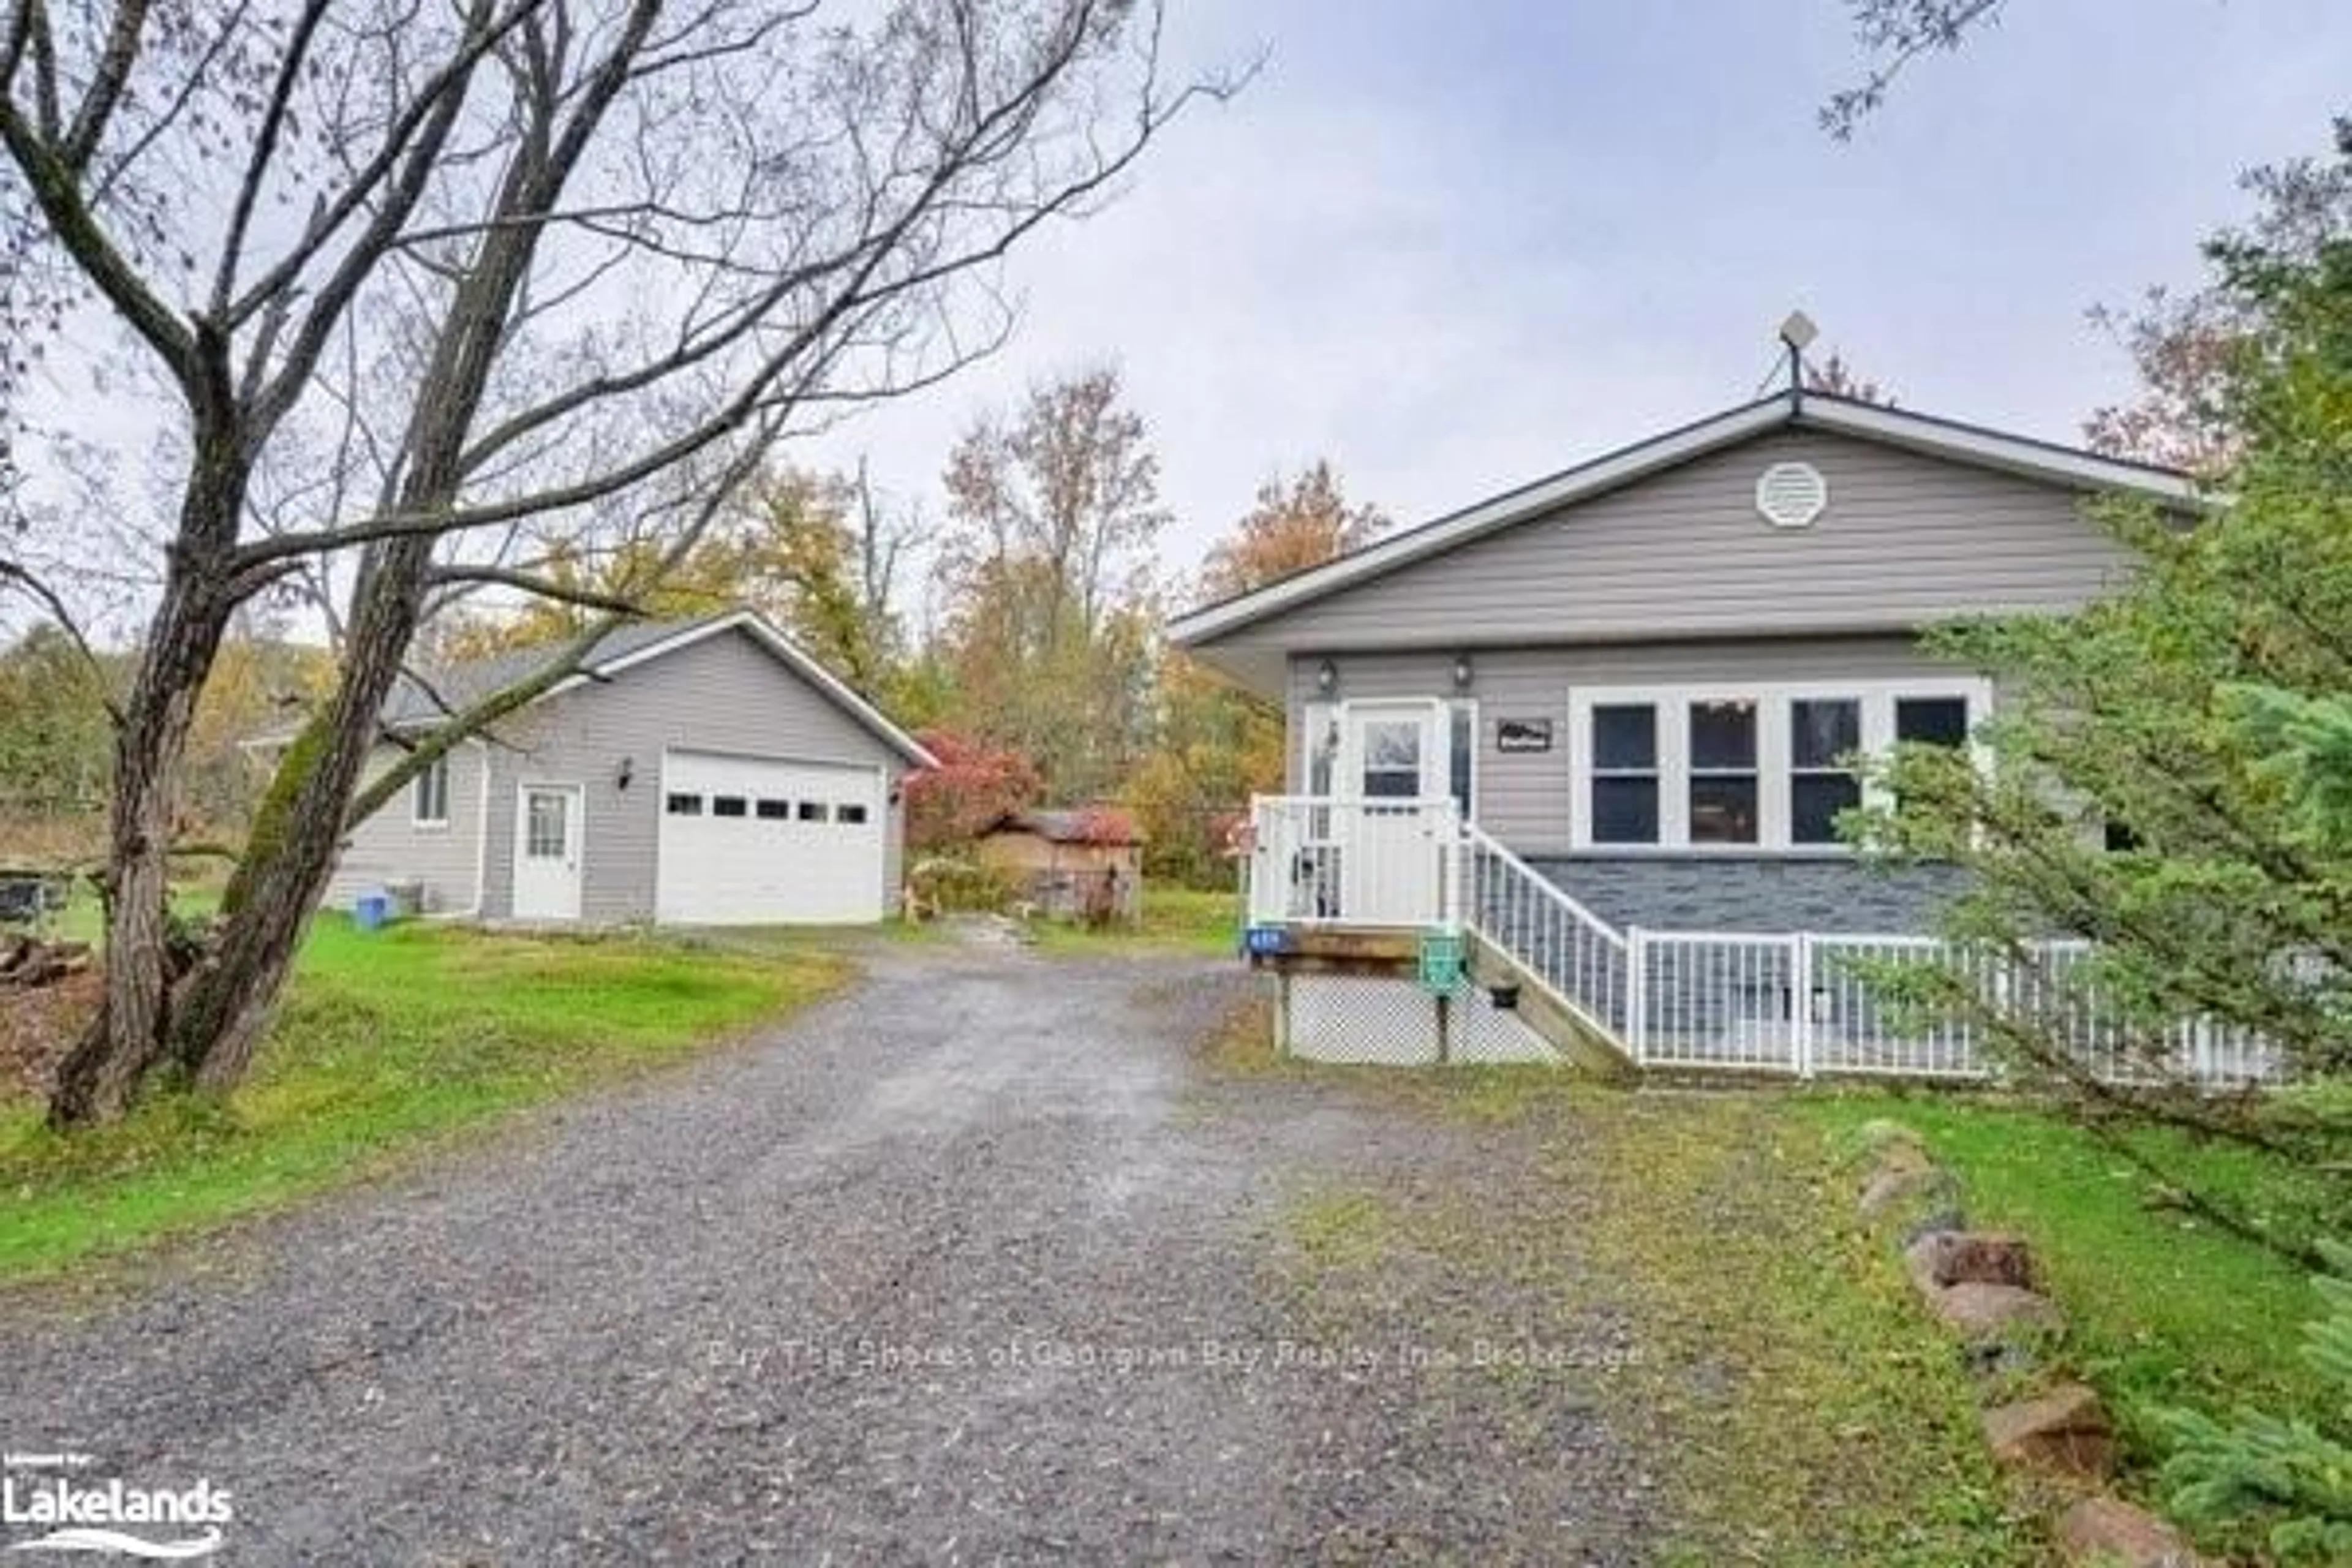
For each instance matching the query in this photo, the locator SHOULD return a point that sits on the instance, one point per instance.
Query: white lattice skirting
(1395, 1023)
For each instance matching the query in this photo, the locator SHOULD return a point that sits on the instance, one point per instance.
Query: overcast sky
(1453, 246)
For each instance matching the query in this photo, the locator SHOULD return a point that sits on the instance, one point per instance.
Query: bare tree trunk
(126, 1038)
(230, 999)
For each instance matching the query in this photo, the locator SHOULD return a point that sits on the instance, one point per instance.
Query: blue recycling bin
(371, 910)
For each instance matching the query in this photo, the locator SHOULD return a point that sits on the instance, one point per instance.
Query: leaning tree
(410, 281)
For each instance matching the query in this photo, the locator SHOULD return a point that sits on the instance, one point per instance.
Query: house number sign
(1523, 735)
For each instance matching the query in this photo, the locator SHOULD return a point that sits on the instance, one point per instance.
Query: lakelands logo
(76, 1510)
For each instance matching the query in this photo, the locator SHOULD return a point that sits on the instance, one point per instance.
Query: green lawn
(1183, 918)
(387, 1042)
(2166, 1308)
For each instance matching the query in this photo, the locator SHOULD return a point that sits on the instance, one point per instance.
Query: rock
(1945, 1258)
(1901, 1188)
(2107, 1533)
(2065, 1432)
(1979, 1311)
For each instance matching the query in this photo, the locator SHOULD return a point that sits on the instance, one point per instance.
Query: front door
(1393, 773)
(547, 853)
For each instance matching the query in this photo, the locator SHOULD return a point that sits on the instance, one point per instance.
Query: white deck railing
(1327, 861)
(1799, 1004)
(1576, 955)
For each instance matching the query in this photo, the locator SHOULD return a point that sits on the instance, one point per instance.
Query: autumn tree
(1838, 378)
(405, 282)
(1295, 524)
(1052, 620)
(1215, 745)
(816, 554)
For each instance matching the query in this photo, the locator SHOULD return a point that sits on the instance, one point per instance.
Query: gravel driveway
(974, 1263)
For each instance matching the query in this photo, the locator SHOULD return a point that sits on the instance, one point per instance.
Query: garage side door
(759, 841)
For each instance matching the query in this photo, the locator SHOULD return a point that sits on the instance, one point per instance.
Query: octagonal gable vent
(1790, 495)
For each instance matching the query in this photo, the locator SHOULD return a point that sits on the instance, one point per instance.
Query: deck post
(1801, 1003)
(1637, 994)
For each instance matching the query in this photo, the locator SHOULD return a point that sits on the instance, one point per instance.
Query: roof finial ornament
(1798, 334)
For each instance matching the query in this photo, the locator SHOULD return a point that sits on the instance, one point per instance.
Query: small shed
(1082, 863)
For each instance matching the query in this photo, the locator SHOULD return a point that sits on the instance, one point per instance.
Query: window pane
(774, 810)
(727, 805)
(1388, 784)
(1934, 721)
(1391, 743)
(1824, 729)
(544, 832)
(1814, 802)
(1723, 810)
(432, 791)
(685, 805)
(850, 814)
(1625, 811)
(1723, 734)
(1464, 738)
(1624, 737)
(811, 811)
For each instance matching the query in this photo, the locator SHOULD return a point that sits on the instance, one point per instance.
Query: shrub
(2290, 1477)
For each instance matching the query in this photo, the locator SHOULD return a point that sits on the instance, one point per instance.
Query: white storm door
(1393, 772)
(547, 852)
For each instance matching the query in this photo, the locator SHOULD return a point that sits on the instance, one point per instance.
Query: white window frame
(1672, 705)
(417, 817)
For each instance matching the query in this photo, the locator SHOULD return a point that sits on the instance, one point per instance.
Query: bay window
(1766, 767)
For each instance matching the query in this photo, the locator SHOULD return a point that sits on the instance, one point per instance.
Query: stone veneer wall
(1759, 894)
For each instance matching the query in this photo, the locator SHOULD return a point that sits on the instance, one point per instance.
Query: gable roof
(420, 700)
(1970, 443)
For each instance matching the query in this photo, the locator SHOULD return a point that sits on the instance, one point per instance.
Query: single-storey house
(1599, 730)
(1085, 864)
(704, 772)
(1641, 675)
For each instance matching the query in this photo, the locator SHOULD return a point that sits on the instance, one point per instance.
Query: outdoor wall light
(628, 771)
(1327, 678)
(1462, 672)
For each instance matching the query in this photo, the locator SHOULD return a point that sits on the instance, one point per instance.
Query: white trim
(1996, 449)
(767, 633)
(578, 820)
(1672, 705)
(1893, 427)
(416, 819)
(481, 835)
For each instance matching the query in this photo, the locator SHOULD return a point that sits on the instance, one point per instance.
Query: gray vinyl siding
(389, 847)
(1906, 539)
(724, 694)
(1522, 797)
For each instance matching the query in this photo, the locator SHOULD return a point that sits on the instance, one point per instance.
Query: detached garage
(696, 772)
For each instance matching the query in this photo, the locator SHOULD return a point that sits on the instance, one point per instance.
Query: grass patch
(385, 1042)
(1174, 919)
(2165, 1309)
(1813, 1413)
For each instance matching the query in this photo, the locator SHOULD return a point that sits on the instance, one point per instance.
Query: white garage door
(752, 841)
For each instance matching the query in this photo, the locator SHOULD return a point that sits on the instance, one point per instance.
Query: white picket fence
(1799, 1003)
(1803, 1004)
